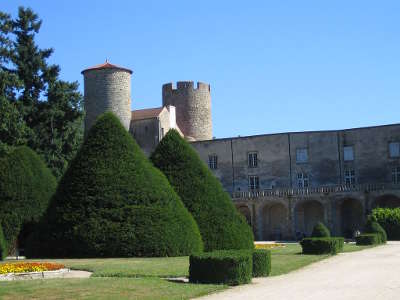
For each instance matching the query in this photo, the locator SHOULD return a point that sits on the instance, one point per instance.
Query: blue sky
(273, 66)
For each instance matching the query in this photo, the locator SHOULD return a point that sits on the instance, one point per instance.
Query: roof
(148, 113)
(106, 65)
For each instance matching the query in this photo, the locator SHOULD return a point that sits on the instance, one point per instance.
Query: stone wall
(107, 90)
(278, 167)
(193, 108)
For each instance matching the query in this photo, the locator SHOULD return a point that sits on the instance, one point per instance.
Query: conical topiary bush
(221, 225)
(26, 186)
(320, 230)
(112, 202)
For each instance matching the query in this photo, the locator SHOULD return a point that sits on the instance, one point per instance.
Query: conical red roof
(106, 65)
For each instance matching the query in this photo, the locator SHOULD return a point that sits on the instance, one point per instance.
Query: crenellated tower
(107, 87)
(193, 108)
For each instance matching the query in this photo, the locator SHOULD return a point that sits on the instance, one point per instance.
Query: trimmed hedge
(221, 226)
(367, 239)
(389, 219)
(26, 186)
(3, 245)
(320, 230)
(372, 226)
(112, 202)
(326, 245)
(232, 267)
(261, 262)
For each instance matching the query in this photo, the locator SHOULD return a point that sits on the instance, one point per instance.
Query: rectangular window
(213, 161)
(254, 183)
(302, 180)
(252, 160)
(394, 149)
(348, 153)
(301, 155)
(349, 177)
(162, 132)
(396, 175)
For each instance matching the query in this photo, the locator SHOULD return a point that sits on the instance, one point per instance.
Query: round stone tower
(193, 108)
(107, 87)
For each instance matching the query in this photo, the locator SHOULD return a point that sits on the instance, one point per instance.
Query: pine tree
(50, 112)
(112, 202)
(221, 226)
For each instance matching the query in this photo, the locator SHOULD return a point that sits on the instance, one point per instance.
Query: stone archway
(275, 225)
(386, 201)
(351, 217)
(245, 211)
(307, 214)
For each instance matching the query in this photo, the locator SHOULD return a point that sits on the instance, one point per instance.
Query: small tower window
(349, 177)
(301, 155)
(254, 182)
(302, 180)
(213, 161)
(252, 160)
(396, 175)
(348, 153)
(394, 149)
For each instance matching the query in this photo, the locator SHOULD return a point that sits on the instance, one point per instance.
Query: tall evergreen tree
(49, 108)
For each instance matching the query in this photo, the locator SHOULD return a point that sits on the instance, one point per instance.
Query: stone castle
(282, 183)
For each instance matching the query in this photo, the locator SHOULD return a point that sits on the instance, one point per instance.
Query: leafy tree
(221, 225)
(112, 202)
(3, 245)
(372, 226)
(320, 230)
(50, 115)
(26, 186)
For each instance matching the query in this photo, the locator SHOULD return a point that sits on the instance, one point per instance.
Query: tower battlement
(193, 107)
(185, 85)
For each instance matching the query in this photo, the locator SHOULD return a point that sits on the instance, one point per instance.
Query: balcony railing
(285, 192)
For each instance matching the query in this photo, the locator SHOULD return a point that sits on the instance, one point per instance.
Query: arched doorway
(386, 201)
(308, 213)
(275, 223)
(245, 211)
(351, 217)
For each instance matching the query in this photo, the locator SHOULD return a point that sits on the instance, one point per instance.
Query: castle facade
(282, 183)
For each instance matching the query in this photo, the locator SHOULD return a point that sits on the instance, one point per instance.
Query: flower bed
(8, 268)
(268, 246)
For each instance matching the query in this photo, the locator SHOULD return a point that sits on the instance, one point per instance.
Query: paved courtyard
(368, 274)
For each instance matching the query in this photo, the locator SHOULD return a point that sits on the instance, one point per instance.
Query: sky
(273, 66)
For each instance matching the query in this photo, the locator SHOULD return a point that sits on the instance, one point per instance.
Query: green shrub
(326, 245)
(389, 219)
(230, 267)
(112, 202)
(320, 230)
(372, 226)
(221, 225)
(26, 186)
(3, 245)
(367, 239)
(261, 262)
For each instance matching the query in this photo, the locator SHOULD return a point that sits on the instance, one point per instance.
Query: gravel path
(368, 274)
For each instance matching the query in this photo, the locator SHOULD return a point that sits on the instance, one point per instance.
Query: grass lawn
(141, 278)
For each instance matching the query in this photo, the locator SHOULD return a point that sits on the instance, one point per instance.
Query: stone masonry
(107, 88)
(193, 108)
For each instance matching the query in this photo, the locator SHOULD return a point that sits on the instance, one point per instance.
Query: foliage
(372, 226)
(3, 245)
(26, 186)
(220, 224)
(368, 239)
(112, 202)
(324, 245)
(261, 263)
(37, 108)
(232, 267)
(389, 219)
(320, 230)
